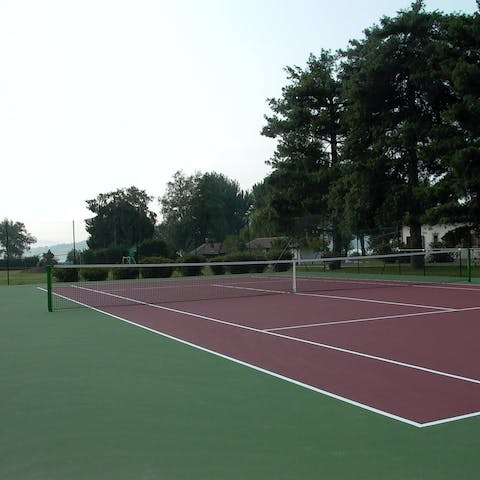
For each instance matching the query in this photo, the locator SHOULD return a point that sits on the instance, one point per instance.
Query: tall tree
(202, 206)
(396, 95)
(263, 219)
(219, 207)
(459, 189)
(306, 123)
(14, 238)
(178, 225)
(121, 217)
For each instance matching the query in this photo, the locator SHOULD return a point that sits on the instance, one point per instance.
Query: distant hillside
(60, 250)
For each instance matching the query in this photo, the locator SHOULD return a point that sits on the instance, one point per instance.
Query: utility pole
(7, 246)
(74, 249)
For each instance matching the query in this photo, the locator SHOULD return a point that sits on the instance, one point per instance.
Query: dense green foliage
(25, 262)
(121, 217)
(94, 274)
(124, 273)
(461, 68)
(306, 124)
(104, 255)
(200, 207)
(385, 133)
(66, 274)
(191, 270)
(153, 247)
(398, 94)
(14, 239)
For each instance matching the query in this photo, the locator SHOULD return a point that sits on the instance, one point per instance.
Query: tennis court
(235, 376)
(408, 352)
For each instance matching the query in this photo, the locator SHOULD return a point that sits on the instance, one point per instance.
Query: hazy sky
(100, 95)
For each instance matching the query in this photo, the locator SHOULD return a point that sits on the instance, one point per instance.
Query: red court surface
(409, 353)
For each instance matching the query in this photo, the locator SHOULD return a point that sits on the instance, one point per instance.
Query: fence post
(294, 274)
(469, 265)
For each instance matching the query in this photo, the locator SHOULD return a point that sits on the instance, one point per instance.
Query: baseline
(369, 319)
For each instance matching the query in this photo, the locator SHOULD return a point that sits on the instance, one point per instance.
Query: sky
(106, 94)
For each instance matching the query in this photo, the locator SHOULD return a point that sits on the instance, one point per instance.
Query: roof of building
(209, 249)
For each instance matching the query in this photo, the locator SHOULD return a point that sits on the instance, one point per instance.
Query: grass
(403, 271)
(22, 277)
(87, 396)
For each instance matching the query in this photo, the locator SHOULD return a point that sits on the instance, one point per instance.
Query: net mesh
(112, 285)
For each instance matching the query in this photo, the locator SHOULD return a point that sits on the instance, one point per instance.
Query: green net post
(469, 264)
(49, 287)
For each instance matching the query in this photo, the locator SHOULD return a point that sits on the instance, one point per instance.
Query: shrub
(278, 255)
(156, 272)
(124, 273)
(193, 270)
(94, 274)
(65, 274)
(218, 269)
(239, 257)
(246, 257)
(258, 267)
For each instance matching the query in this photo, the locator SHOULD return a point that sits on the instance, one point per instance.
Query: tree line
(381, 134)
(195, 208)
(385, 132)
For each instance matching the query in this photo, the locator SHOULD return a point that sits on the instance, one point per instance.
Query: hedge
(156, 272)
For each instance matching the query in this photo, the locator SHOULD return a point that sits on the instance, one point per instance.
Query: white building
(434, 233)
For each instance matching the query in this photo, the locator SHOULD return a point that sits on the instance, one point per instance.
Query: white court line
(356, 320)
(238, 285)
(186, 284)
(368, 300)
(336, 297)
(274, 374)
(251, 289)
(450, 419)
(392, 283)
(367, 283)
(254, 280)
(444, 287)
(369, 319)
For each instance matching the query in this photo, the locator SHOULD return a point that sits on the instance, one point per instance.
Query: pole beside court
(49, 287)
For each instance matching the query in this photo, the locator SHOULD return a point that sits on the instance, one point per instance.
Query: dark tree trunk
(417, 261)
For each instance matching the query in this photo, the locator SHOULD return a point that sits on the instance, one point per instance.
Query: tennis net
(142, 284)
(111, 285)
